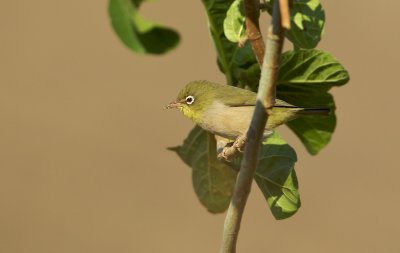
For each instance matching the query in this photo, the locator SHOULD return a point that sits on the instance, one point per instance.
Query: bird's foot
(240, 143)
(223, 155)
(231, 150)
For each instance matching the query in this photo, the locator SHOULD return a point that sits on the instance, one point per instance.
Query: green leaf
(239, 64)
(307, 20)
(228, 59)
(216, 12)
(248, 76)
(245, 67)
(213, 180)
(234, 23)
(315, 132)
(137, 3)
(305, 77)
(311, 67)
(138, 34)
(307, 23)
(276, 177)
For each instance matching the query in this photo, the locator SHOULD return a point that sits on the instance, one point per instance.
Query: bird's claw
(239, 144)
(230, 149)
(222, 155)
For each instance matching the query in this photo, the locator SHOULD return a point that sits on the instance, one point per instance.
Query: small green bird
(227, 110)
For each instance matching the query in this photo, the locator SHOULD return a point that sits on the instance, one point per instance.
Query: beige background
(83, 165)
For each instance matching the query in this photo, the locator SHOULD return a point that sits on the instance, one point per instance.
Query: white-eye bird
(227, 110)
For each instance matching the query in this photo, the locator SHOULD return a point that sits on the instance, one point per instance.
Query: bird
(226, 110)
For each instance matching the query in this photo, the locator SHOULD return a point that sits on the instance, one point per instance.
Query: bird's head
(195, 98)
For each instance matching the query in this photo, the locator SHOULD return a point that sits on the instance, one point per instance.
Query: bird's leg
(230, 150)
(222, 145)
(225, 152)
(239, 143)
(223, 156)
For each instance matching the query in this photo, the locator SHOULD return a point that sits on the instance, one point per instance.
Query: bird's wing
(236, 97)
(248, 98)
(281, 103)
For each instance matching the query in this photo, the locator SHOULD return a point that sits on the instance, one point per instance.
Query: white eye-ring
(189, 100)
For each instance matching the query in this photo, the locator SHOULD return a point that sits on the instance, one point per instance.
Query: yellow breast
(189, 113)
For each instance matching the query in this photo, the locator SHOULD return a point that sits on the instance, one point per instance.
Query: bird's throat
(189, 113)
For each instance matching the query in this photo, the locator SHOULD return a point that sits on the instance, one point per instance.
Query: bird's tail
(315, 111)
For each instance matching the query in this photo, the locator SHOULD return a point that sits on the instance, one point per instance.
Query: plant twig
(265, 101)
(285, 13)
(253, 34)
(251, 8)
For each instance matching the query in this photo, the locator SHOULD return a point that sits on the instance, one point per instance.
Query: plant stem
(285, 15)
(252, 10)
(253, 34)
(265, 101)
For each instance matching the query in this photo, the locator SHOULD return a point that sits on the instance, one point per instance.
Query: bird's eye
(189, 100)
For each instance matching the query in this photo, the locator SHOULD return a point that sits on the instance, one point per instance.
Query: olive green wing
(236, 97)
(281, 103)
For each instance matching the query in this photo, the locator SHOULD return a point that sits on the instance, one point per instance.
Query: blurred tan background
(83, 165)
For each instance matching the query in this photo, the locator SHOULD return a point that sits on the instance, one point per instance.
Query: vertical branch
(265, 101)
(285, 15)
(252, 11)
(269, 72)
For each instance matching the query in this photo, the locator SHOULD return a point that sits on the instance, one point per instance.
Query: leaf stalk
(253, 33)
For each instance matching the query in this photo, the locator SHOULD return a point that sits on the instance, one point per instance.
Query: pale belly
(225, 121)
(231, 122)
